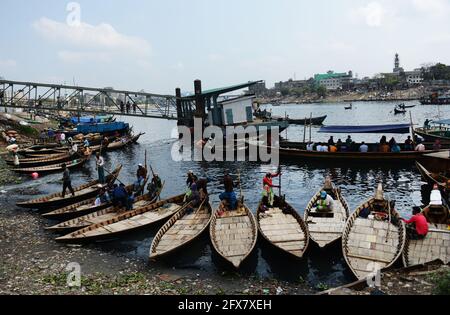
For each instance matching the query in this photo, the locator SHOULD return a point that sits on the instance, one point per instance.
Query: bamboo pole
(310, 128)
(412, 130)
(304, 131)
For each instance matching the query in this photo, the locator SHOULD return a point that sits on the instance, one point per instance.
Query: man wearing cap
(325, 203)
(141, 175)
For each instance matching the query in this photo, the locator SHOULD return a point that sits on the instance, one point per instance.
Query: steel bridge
(54, 98)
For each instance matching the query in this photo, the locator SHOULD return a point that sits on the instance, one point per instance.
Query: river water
(300, 182)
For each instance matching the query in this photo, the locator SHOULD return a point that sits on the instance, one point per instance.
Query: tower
(397, 67)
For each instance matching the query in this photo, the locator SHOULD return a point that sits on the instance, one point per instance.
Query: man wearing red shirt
(417, 226)
(268, 188)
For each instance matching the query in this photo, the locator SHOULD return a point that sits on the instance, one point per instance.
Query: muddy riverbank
(31, 262)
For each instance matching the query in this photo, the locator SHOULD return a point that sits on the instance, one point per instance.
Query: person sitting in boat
(383, 140)
(74, 149)
(417, 226)
(228, 197)
(426, 124)
(193, 197)
(86, 143)
(437, 145)
(392, 142)
(325, 203)
(190, 178)
(395, 148)
(130, 200)
(154, 186)
(331, 141)
(364, 148)
(420, 147)
(103, 197)
(349, 142)
(339, 144)
(435, 196)
(333, 148)
(268, 187)
(141, 174)
(310, 146)
(409, 144)
(384, 148)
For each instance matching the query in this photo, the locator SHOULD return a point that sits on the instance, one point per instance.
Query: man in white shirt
(420, 147)
(364, 148)
(310, 146)
(100, 163)
(436, 197)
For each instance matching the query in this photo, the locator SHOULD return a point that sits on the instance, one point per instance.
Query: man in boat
(409, 144)
(86, 143)
(130, 199)
(190, 178)
(105, 143)
(202, 186)
(349, 142)
(325, 203)
(420, 147)
(228, 197)
(193, 196)
(437, 145)
(154, 186)
(364, 148)
(331, 141)
(100, 164)
(141, 174)
(417, 226)
(310, 146)
(435, 196)
(426, 124)
(268, 187)
(67, 182)
(395, 148)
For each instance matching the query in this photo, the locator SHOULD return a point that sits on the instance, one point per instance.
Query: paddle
(241, 197)
(114, 176)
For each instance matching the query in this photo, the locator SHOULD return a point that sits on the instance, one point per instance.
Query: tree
(321, 91)
(436, 72)
(284, 91)
(390, 81)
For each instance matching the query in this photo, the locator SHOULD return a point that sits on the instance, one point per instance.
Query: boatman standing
(100, 163)
(268, 187)
(228, 197)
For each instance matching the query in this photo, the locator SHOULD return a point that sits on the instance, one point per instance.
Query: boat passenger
(130, 200)
(392, 142)
(325, 203)
(86, 143)
(333, 148)
(193, 197)
(420, 147)
(364, 148)
(417, 226)
(383, 140)
(437, 145)
(395, 148)
(190, 178)
(426, 124)
(349, 141)
(331, 141)
(141, 174)
(310, 146)
(385, 148)
(154, 186)
(268, 187)
(74, 149)
(228, 197)
(409, 144)
(202, 186)
(436, 197)
(67, 182)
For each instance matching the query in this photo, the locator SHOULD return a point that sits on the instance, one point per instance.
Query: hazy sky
(161, 45)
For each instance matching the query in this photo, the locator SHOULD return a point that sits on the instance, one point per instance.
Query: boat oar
(241, 197)
(114, 176)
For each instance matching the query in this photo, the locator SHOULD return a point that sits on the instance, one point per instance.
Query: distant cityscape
(333, 81)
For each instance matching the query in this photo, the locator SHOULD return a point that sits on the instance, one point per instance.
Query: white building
(237, 111)
(414, 77)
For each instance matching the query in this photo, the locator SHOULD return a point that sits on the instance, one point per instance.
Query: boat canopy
(399, 128)
(89, 119)
(441, 122)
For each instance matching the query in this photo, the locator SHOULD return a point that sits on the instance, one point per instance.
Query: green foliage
(322, 287)
(28, 131)
(442, 283)
(437, 72)
(285, 91)
(390, 81)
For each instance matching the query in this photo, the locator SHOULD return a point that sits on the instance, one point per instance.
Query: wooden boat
(78, 209)
(99, 215)
(375, 243)
(399, 111)
(298, 151)
(315, 121)
(28, 152)
(82, 192)
(382, 129)
(51, 168)
(326, 228)
(234, 234)
(33, 162)
(436, 245)
(283, 227)
(433, 178)
(403, 106)
(127, 221)
(181, 229)
(37, 158)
